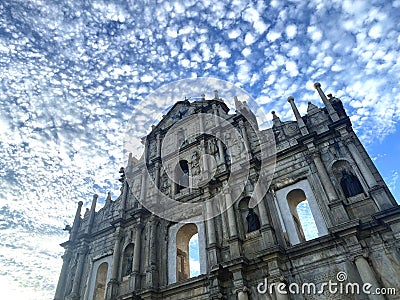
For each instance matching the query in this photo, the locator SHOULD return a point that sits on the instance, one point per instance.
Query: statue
(212, 147)
(253, 222)
(195, 163)
(165, 185)
(337, 105)
(350, 184)
(129, 265)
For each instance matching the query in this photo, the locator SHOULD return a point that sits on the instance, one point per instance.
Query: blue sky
(73, 73)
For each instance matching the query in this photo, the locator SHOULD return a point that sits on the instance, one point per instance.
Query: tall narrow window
(181, 175)
(100, 284)
(302, 216)
(186, 252)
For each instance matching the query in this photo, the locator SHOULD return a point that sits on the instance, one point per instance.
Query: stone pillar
(221, 153)
(367, 276)
(231, 214)
(136, 254)
(112, 285)
(258, 196)
(136, 250)
(336, 206)
(77, 222)
(158, 145)
(242, 295)
(212, 241)
(157, 175)
(92, 214)
(244, 135)
(300, 122)
(331, 111)
(280, 296)
(377, 192)
(152, 259)
(78, 273)
(365, 171)
(143, 186)
(204, 160)
(210, 223)
(64, 271)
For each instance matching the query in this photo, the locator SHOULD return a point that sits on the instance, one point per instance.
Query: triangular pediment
(179, 111)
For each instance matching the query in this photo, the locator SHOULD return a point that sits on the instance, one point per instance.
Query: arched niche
(127, 260)
(249, 216)
(347, 181)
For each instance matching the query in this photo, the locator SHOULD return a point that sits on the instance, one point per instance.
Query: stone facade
(209, 172)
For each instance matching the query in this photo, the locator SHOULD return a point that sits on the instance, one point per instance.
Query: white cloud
(272, 36)
(291, 31)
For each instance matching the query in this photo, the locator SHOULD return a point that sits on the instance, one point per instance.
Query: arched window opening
(250, 219)
(186, 255)
(194, 261)
(100, 284)
(181, 175)
(128, 260)
(302, 216)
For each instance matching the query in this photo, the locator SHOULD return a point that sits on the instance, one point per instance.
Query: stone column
(242, 295)
(280, 296)
(212, 241)
(158, 145)
(365, 171)
(136, 254)
(244, 135)
(336, 206)
(92, 214)
(258, 195)
(136, 250)
(221, 153)
(143, 186)
(152, 259)
(367, 276)
(78, 273)
(210, 223)
(61, 281)
(157, 175)
(112, 285)
(331, 111)
(231, 214)
(204, 160)
(77, 222)
(300, 122)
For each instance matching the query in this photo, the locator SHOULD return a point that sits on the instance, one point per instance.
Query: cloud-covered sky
(73, 73)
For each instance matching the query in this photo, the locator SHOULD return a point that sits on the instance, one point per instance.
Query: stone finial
(275, 119)
(216, 94)
(332, 113)
(311, 108)
(203, 97)
(108, 199)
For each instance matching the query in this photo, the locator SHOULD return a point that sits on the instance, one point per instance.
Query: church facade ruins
(242, 191)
